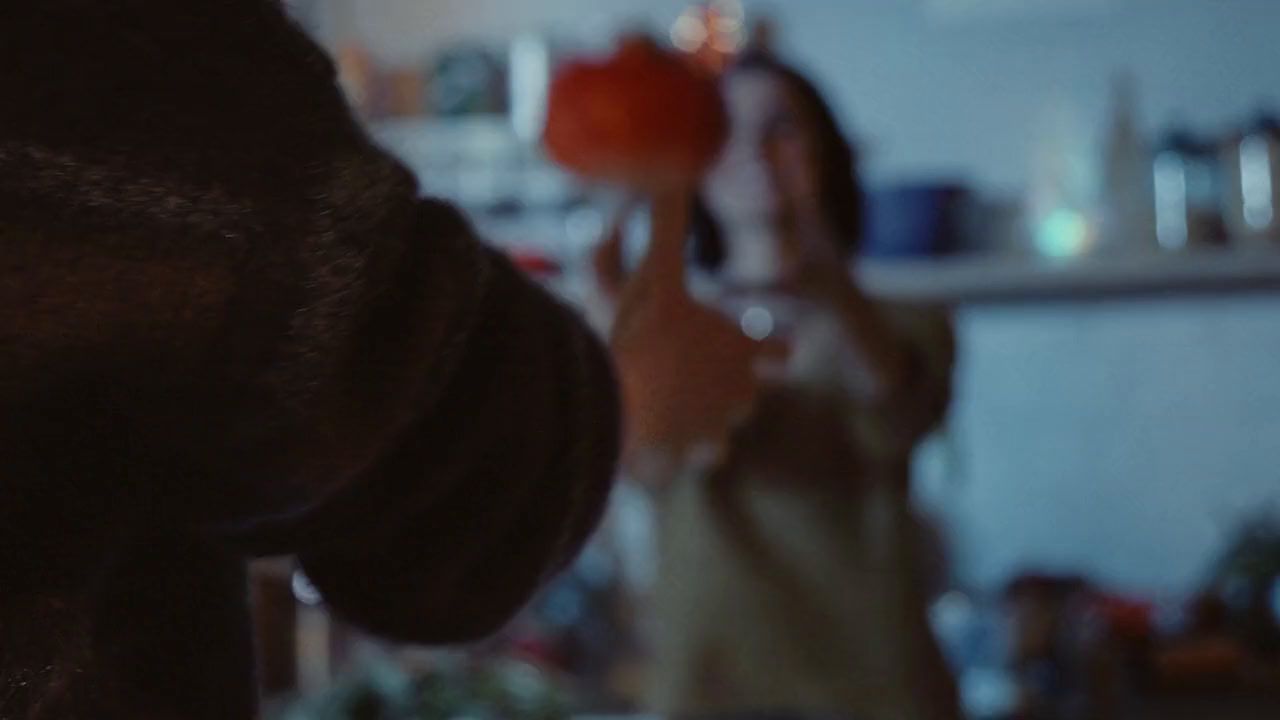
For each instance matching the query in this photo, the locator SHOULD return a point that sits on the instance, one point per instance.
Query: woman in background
(791, 564)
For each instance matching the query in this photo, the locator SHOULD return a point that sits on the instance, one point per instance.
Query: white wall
(969, 98)
(1124, 439)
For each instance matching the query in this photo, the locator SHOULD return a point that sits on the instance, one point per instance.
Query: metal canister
(1252, 167)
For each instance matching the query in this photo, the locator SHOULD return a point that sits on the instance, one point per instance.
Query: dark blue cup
(916, 220)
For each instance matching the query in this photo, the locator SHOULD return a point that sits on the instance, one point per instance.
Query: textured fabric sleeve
(223, 310)
(489, 493)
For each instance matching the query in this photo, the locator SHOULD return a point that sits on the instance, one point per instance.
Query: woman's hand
(688, 373)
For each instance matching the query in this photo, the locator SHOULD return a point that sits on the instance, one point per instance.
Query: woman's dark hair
(841, 192)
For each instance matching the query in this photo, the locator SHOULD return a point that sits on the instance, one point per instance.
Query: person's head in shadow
(787, 171)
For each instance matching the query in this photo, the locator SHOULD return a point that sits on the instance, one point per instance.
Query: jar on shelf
(1251, 162)
(1188, 193)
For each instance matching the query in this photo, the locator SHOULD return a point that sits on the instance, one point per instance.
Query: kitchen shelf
(477, 161)
(983, 279)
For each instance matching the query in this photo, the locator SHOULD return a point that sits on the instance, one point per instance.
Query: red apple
(640, 117)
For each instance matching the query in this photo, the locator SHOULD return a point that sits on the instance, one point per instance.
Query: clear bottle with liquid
(1188, 193)
(1126, 209)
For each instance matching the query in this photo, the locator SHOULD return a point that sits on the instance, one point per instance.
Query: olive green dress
(790, 578)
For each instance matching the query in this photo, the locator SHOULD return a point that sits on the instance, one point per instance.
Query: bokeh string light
(712, 33)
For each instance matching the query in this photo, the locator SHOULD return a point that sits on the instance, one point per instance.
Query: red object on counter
(535, 263)
(641, 116)
(1126, 617)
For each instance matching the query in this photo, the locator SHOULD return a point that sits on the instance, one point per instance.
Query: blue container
(904, 221)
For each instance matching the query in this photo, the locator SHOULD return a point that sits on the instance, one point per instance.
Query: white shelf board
(971, 279)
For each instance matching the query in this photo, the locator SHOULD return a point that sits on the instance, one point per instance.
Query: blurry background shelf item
(985, 279)
(478, 162)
